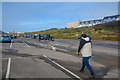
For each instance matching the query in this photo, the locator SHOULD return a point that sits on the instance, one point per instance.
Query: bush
(98, 28)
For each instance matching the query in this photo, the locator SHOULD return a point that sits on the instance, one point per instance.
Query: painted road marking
(11, 44)
(63, 68)
(26, 44)
(8, 68)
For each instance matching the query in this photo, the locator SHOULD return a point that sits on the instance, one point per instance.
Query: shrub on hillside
(98, 28)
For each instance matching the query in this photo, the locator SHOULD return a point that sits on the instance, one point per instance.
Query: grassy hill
(108, 31)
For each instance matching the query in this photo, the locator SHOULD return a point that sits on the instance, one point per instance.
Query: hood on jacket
(86, 39)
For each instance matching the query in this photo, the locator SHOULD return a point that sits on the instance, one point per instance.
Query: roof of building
(75, 21)
(92, 21)
(111, 16)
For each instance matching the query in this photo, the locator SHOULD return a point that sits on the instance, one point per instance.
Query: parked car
(5, 38)
(51, 38)
(46, 37)
(11, 37)
(27, 36)
(42, 38)
(15, 37)
(34, 36)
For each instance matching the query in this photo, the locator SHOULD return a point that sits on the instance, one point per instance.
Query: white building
(111, 18)
(74, 24)
(89, 23)
(20, 32)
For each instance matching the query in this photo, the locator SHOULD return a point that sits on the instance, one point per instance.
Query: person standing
(39, 37)
(86, 51)
(49, 37)
(34, 36)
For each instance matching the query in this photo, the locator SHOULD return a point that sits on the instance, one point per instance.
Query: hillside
(107, 31)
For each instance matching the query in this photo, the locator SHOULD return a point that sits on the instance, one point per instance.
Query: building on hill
(99, 21)
(74, 24)
(77, 24)
(111, 18)
(84, 24)
(90, 23)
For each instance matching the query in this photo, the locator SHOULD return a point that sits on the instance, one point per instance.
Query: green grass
(107, 31)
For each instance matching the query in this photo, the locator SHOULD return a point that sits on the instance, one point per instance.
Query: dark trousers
(85, 62)
(39, 39)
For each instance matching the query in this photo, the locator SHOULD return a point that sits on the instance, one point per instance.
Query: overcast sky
(37, 16)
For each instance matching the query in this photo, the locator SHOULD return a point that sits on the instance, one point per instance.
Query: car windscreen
(6, 36)
(45, 35)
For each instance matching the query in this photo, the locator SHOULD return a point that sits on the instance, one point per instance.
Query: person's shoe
(81, 71)
(92, 76)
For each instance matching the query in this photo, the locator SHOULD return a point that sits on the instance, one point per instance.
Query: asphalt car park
(17, 70)
(33, 59)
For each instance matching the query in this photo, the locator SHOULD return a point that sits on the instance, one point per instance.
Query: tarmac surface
(29, 58)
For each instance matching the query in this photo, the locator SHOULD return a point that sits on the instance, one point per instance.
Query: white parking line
(64, 68)
(26, 44)
(8, 68)
(11, 43)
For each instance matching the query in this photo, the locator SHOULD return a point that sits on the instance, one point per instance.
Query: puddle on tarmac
(11, 50)
(14, 52)
(102, 73)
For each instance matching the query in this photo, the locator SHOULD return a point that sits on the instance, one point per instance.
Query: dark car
(46, 37)
(51, 38)
(35, 36)
(27, 36)
(41, 37)
(11, 37)
(15, 37)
